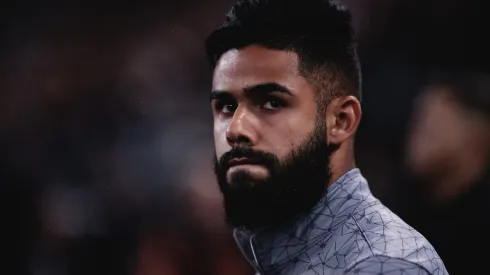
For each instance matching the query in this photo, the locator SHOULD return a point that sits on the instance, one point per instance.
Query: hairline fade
(320, 32)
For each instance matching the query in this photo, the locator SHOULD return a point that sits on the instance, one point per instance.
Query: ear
(343, 117)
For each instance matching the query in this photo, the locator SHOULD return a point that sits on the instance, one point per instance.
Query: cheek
(285, 136)
(428, 132)
(220, 144)
(426, 140)
(435, 142)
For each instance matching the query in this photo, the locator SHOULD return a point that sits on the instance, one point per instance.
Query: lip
(240, 161)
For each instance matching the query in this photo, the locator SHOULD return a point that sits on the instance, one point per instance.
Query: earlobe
(343, 118)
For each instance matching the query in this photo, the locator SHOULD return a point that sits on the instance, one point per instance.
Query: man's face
(272, 158)
(447, 143)
(439, 132)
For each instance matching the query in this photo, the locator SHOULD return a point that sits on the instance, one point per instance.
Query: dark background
(106, 136)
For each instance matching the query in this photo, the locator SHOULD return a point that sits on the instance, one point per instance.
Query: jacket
(348, 231)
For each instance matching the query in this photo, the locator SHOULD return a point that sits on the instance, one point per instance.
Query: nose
(241, 130)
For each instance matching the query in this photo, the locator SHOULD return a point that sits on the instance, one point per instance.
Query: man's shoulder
(387, 234)
(379, 265)
(374, 234)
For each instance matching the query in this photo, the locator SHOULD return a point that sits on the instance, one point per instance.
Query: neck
(342, 161)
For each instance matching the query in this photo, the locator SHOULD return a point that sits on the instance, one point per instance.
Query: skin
(448, 142)
(261, 100)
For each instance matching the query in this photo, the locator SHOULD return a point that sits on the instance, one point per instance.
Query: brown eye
(273, 104)
(228, 108)
(225, 106)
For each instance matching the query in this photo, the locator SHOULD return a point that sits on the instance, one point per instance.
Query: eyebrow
(263, 88)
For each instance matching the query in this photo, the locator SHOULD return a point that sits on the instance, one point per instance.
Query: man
(285, 102)
(448, 154)
(450, 133)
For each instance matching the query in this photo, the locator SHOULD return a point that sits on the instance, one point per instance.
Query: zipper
(254, 263)
(258, 269)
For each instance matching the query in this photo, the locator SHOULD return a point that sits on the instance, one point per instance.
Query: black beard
(293, 187)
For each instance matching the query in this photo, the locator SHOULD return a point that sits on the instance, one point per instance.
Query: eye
(228, 108)
(273, 104)
(225, 107)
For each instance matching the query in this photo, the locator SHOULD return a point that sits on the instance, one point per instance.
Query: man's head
(286, 91)
(450, 130)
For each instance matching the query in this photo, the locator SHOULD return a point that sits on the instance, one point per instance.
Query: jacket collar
(269, 248)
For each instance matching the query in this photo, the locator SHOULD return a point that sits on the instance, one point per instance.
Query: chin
(254, 173)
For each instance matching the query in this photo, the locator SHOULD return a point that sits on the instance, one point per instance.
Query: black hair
(320, 32)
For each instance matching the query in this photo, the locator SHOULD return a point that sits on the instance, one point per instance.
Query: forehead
(436, 100)
(435, 108)
(252, 65)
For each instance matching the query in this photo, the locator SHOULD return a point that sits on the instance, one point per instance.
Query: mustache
(254, 156)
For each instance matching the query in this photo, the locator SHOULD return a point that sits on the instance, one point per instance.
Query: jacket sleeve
(386, 266)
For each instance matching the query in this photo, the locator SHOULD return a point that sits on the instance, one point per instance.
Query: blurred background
(106, 133)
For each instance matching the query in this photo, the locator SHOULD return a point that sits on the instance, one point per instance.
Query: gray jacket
(349, 231)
